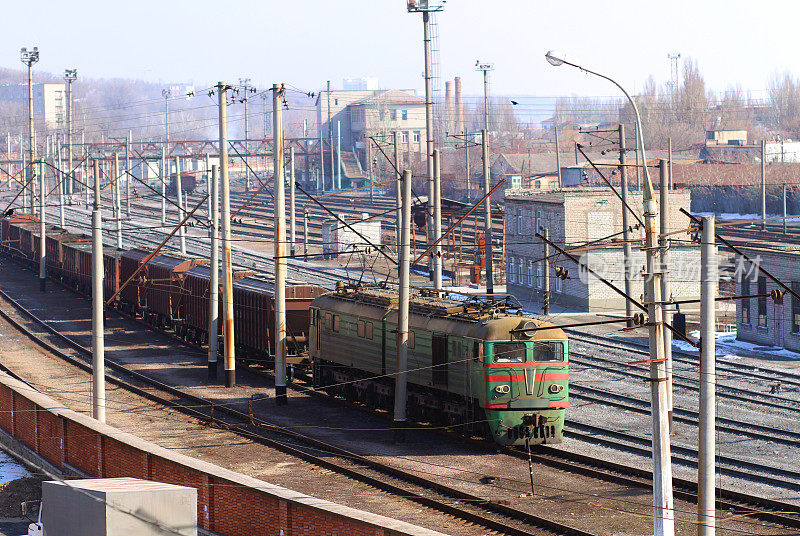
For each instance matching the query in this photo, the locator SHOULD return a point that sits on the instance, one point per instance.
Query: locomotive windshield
(548, 351)
(509, 352)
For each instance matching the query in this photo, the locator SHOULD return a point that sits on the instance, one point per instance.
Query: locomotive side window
(411, 339)
(478, 352)
(368, 330)
(328, 321)
(509, 352)
(336, 323)
(360, 328)
(548, 351)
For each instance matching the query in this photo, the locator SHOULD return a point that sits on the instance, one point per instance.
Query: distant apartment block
(579, 218)
(49, 101)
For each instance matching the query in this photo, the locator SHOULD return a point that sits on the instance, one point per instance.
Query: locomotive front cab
(526, 390)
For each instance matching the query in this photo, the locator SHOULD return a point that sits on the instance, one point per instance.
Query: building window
(539, 275)
(404, 114)
(521, 271)
(510, 270)
(795, 308)
(394, 115)
(382, 114)
(404, 136)
(416, 136)
(744, 288)
(336, 102)
(762, 302)
(530, 273)
(558, 282)
(520, 217)
(537, 227)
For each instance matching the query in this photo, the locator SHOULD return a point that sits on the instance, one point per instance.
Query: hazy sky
(304, 43)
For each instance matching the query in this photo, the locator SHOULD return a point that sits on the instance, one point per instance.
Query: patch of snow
(10, 469)
(731, 348)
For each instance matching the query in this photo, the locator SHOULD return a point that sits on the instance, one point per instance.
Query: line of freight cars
(170, 292)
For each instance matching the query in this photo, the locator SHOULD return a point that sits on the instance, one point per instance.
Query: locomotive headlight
(556, 388)
(503, 389)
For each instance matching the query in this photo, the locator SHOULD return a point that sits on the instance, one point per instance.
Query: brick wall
(229, 503)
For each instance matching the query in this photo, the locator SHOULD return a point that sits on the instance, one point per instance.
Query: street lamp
(663, 513)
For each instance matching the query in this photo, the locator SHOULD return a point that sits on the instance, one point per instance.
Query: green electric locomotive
(478, 365)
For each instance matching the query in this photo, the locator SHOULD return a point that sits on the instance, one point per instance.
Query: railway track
(493, 515)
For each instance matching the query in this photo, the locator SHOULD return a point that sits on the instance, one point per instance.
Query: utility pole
(42, 237)
(763, 185)
(546, 301)
(117, 202)
(227, 276)
(669, 155)
(321, 183)
(706, 507)
(437, 220)
(181, 209)
(70, 75)
(213, 299)
(558, 158)
(128, 175)
(626, 235)
(98, 350)
(245, 83)
(61, 186)
(404, 275)
(29, 57)
(280, 248)
(487, 215)
(291, 202)
(666, 294)
(164, 175)
(330, 141)
(369, 174)
(85, 169)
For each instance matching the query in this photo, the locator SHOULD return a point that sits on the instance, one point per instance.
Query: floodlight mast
(29, 58)
(70, 75)
(663, 505)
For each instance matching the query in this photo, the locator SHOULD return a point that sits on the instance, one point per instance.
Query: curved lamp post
(663, 506)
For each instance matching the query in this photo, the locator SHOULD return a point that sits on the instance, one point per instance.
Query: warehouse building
(577, 218)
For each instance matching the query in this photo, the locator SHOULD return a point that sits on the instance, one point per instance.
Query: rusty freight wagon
(24, 250)
(165, 274)
(254, 318)
(55, 243)
(195, 295)
(9, 229)
(132, 296)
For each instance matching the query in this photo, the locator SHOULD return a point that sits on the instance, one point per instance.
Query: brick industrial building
(574, 217)
(764, 320)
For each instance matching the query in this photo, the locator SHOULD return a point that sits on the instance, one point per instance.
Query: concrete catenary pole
(487, 215)
(305, 234)
(227, 262)
(213, 299)
(669, 156)
(466, 166)
(666, 313)
(117, 201)
(558, 158)
(208, 183)
(706, 508)
(330, 140)
(181, 208)
(626, 234)
(164, 174)
(321, 178)
(404, 275)
(69, 76)
(128, 175)
(784, 208)
(85, 170)
(42, 237)
(61, 185)
(280, 249)
(339, 155)
(98, 350)
(292, 222)
(437, 220)
(546, 300)
(246, 85)
(369, 174)
(29, 58)
(763, 185)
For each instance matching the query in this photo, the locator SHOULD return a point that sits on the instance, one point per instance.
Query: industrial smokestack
(448, 106)
(460, 126)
